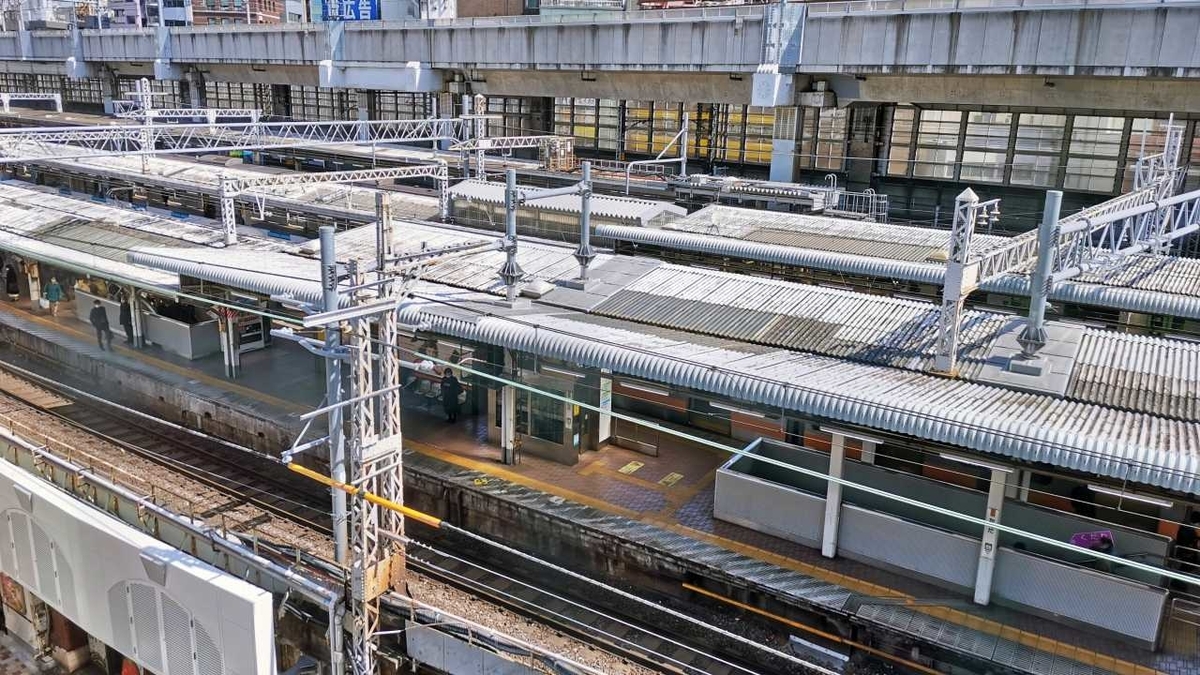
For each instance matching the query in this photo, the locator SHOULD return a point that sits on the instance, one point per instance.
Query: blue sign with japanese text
(350, 10)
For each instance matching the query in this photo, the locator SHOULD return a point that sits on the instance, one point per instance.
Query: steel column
(1033, 336)
(987, 548)
(833, 497)
(333, 391)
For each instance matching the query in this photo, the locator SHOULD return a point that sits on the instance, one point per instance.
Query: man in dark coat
(451, 388)
(99, 320)
(126, 319)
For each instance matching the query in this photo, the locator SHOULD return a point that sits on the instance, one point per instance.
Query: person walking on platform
(126, 319)
(53, 293)
(99, 319)
(450, 391)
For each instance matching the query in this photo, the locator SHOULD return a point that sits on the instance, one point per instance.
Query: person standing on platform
(53, 293)
(126, 318)
(99, 320)
(450, 391)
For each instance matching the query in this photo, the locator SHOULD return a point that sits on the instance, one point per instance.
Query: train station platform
(660, 503)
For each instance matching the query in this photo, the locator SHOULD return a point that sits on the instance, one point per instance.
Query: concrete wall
(1142, 40)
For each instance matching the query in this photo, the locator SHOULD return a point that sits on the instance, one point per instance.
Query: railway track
(648, 647)
(264, 496)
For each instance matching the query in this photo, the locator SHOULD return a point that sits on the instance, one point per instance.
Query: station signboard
(350, 10)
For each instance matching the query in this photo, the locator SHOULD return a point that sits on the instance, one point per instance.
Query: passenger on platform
(1103, 545)
(450, 391)
(126, 319)
(99, 319)
(53, 293)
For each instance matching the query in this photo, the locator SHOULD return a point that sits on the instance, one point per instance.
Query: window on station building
(514, 116)
(985, 146)
(666, 123)
(323, 103)
(396, 105)
(830, 150)
(1146, 137)
(637, 126)
(1038, 147)
(1092, 157)
(900, 148)
(562, 117)
(583, 122)
(1191, 156)
(937, 143)
(608, 124)
(759, 129)
(806, 146)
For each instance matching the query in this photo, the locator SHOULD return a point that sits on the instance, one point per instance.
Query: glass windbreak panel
(546, 417)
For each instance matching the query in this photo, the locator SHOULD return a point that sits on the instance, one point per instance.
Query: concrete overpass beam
(412, 77)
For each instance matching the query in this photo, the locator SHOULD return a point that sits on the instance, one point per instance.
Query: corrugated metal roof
(626, 208)
(1138, 372)
(823, 233)
(191, 173)
(266, 272)
(1037, 428)
(870, 328)
(95, 238)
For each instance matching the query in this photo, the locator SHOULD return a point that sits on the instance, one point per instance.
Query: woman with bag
(53, 294)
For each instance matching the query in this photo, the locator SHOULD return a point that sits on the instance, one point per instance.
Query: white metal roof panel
(1033, 427)
(609, 207)
(825, 233)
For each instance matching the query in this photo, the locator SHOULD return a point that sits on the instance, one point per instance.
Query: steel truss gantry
(24, 145)
(962, 274)
(259, 186)
(360, 316)
(6, 99)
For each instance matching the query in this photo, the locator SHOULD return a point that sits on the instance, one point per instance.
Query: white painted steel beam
(833, 497)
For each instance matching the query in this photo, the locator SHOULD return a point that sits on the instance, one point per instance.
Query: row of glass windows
(728, 133)
(1075, 152)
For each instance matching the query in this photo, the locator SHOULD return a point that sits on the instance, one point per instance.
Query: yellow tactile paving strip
(675, 497)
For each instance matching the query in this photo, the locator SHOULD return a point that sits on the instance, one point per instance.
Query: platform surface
(664, 501)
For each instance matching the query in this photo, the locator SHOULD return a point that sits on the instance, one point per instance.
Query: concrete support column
(508, 417)
(987, 549)
(833, 497)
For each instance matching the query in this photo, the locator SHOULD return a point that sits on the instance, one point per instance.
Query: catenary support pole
(1033, 336)
(333, 392)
